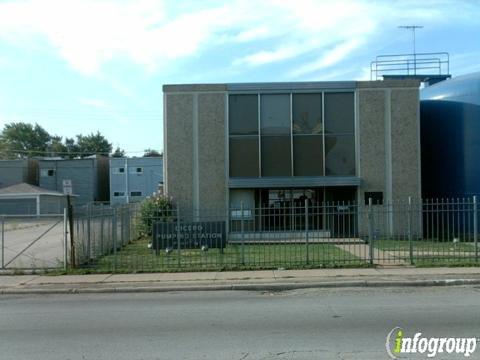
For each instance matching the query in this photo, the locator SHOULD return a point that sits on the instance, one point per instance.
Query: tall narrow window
(276, 135)
(307, 135)
(339, 134)
(243, 139)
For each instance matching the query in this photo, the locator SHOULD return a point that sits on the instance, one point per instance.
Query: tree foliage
(21, 140)
(118, 153)
(152, 153)
(93, 144)
(154, 208)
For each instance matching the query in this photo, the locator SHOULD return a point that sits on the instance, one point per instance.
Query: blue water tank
(450, 138)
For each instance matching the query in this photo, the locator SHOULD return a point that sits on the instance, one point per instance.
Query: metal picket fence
(293, 235)
(101, 230)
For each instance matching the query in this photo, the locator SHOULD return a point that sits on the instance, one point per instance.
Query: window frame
(292, 93)
(135, 170)
(47, 172)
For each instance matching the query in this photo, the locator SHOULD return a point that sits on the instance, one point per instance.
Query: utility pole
(413, 28)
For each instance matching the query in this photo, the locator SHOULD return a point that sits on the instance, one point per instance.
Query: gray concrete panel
(405, 144)
(179, 155)
(212, 150)
(372, 140)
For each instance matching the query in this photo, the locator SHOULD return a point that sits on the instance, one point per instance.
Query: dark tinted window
(275, 114)
(276, 156)
(308, 155)
(340, 155)
(244, 156)
(376, 196)
(243, 114)
(339, 113)
(307, 113)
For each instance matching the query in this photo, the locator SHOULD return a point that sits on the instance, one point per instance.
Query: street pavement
(239, 280)
(339, 323)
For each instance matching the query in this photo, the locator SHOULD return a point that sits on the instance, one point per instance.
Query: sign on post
(67, 187)
(193, 235)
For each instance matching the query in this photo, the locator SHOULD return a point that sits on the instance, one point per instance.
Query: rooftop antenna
(413, 28)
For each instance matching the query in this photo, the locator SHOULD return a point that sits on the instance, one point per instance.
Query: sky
(81, 66)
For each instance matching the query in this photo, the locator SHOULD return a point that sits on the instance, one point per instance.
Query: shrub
(152, 209)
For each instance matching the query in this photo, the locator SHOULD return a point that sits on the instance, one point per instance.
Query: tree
(20, 140)
(152, 153)
(93, 144)
(56, 147)
(118, 153)
(71, 148)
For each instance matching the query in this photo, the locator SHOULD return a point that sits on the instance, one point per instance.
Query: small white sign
(67, 187)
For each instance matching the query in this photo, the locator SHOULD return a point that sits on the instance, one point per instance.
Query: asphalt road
(307, 324)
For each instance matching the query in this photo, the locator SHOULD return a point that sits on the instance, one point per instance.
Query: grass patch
(137, 257)
(423, 245)
(438, 261)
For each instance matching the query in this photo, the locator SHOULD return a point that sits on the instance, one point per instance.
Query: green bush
(152, 209)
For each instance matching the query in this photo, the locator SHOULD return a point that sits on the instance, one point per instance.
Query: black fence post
(242, 229)
(475, 227)
(178, 238)
(410, 235)
(370, 231)
(306, 233)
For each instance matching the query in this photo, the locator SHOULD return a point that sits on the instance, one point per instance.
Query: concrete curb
(240, 287)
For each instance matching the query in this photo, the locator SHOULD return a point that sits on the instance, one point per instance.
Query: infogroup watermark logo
(398, 345)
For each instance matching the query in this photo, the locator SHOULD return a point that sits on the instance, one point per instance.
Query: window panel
(339, 113)
(308, 155)
(340, 155)
(243, 114)
(339, 194)
(307, 113)
(275, 114)
(276, 156)
(243, 152)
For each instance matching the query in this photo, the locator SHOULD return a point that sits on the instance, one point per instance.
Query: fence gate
(32, 242)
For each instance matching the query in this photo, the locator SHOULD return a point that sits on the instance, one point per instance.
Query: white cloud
(331, 57)
(253, 34)
(265, 57)
(90, 33)
(315, 26)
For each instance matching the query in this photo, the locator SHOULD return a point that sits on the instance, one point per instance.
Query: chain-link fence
(293, 235)
(32, 242)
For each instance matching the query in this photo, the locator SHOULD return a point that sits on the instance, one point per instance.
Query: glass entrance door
(284, 209)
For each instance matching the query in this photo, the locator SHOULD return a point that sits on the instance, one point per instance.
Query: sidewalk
(267, 280)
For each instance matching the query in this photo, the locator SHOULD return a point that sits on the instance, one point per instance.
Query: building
(264, 144)
(27, 199)
(133, 179)
(89, 177)
(18, 171)
(450, 131)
